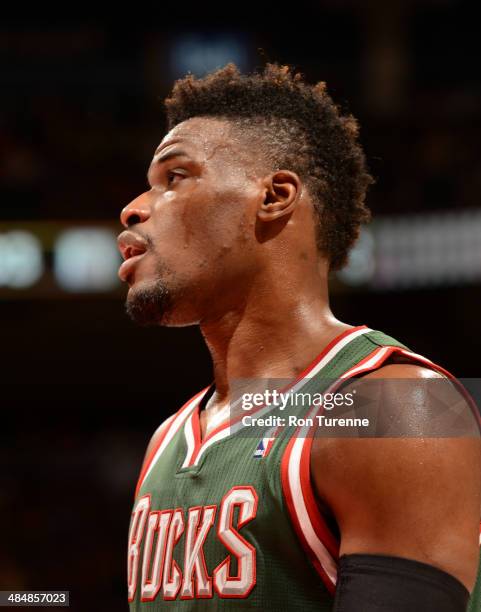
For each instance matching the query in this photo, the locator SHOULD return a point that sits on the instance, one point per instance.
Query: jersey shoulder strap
(366, 353)
(379, 338)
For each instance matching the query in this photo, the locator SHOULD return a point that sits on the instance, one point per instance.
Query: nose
(133, 213)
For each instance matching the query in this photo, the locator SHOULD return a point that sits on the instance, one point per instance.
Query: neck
(275, 332)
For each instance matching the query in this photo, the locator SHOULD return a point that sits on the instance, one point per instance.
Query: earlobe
(280, 196)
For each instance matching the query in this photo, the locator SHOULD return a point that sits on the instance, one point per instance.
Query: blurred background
(81, 113)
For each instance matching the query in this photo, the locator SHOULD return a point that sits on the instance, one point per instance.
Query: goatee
(147, 305)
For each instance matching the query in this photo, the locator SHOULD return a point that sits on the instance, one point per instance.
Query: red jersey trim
(172, 427)
(200, 444)
(318, 541)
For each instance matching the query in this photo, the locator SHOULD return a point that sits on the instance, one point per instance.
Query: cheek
(161, 207)
(204, 231)
(226, 218)
(173, 223)
(228, 235)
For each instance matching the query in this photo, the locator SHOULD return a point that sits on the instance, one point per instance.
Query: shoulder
(157, 437)
(404, 370)
(162, 429)
(409, 399)
(391, 490)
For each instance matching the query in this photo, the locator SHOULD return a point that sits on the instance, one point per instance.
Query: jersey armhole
(319, 542)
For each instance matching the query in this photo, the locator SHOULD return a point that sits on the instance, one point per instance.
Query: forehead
(202, 137)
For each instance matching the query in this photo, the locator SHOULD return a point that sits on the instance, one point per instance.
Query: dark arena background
(81, 114)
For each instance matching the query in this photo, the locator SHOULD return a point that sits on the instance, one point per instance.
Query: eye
(171, 174)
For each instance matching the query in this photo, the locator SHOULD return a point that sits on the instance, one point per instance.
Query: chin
(152, 304)
(148, 303)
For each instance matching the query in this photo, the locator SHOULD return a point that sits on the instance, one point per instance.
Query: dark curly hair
(301, 129)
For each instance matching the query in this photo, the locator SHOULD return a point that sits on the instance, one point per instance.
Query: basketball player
(255, 194)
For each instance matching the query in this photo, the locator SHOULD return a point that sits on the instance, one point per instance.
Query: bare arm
(414, 497)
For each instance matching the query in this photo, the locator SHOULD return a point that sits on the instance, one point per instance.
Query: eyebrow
(163, 158)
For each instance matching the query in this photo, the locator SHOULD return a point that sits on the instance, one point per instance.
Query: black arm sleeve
(379, 583)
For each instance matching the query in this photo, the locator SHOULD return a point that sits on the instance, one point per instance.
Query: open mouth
(132, 247)
(127, 267)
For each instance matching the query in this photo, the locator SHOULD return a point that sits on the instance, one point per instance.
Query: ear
(281, 194)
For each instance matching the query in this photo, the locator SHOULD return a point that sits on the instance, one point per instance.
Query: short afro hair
(304, 131)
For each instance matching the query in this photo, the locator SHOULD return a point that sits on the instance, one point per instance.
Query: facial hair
(149, 303)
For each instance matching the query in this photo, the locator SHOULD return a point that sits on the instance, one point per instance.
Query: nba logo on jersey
(265, 444)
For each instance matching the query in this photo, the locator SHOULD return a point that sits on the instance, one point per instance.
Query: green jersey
(231, 521)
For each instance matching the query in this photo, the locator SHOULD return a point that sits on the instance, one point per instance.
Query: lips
(132, 248)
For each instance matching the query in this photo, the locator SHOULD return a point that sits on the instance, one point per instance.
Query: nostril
(132, 215)
(133, 219)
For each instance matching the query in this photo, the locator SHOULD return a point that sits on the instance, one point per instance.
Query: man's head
(267, 173)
